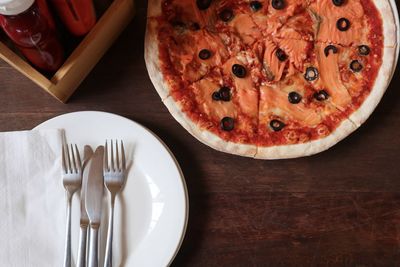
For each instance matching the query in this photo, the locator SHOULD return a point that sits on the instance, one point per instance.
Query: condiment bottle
(29, 24)
(79, 16)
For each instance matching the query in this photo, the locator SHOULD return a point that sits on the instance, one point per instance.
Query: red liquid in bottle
(33, 33)
(78, 15)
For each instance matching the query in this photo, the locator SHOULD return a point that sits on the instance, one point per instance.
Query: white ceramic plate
(152, 211)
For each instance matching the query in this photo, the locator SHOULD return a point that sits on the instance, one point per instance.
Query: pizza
(270, 79)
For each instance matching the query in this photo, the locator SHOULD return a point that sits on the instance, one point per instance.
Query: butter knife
(93, 200)
(84, 220)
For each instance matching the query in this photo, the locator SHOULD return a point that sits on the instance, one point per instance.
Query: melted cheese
(246, 29)
(329, 14)
(246, 96)
(274, 102)
(330, 77)
(203, 91)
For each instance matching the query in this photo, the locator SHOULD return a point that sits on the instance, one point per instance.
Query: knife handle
(67, 255)
(93, 247)
(82, 246)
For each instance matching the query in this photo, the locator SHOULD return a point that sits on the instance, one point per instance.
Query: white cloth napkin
(32, 199)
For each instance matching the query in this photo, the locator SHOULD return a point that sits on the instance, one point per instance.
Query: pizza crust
(390, 29)
(378, 90)
(309, 148)
(205, 136)
(151, 55)
(154, 8)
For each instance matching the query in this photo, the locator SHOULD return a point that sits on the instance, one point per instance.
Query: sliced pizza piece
(353, 22)
(223, 104)
(351, 74)
(293, 121)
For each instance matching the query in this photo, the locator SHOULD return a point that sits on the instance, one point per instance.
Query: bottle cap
(14, 7)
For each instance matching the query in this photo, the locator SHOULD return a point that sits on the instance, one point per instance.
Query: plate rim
(182, 176)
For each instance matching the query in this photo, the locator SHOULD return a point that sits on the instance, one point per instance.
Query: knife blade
(84, 219)
(93, 200)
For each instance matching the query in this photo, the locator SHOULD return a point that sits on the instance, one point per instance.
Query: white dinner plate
(151, 213)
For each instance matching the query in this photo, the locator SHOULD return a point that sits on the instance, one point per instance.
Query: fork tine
(105, 158)
(78, 159)
(75, 170)
(117, 167)
(64, 166)
(123, 163)
(112, 156)
(68, 156)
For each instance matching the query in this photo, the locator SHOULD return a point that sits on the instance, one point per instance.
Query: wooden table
(338, 208)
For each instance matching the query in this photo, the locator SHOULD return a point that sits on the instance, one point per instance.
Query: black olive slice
(225, 93)
(203, 4)
(204, 54)
(356, 66)
(178, 24)
(343, 24)
(321, 95)
(277, 125)
(239, 70)
(311, 74)
(281, 55)
(364, 50)
(195, 26)
(226, 15)
(216, 96)
(338, 2)
(255, 5)
(294, 97)
(227, 124)
(278, 4)
(330, 48)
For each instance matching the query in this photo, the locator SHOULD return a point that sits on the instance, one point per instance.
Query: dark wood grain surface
(338, 208)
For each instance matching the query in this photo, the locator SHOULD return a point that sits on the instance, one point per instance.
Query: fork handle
(93, 247)
(67, 255)
(108, 258)
(82, 246)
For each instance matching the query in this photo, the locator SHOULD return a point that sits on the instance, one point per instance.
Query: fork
(72, 178)
(114, 178)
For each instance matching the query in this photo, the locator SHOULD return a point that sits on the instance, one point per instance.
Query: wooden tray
(82, 60)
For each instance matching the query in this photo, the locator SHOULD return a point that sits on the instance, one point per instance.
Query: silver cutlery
(93, 200)
(114, 178)
(72, 177)
(84, 219)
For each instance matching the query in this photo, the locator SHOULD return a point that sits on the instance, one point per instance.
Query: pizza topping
(216, 96)
(204, 54)
(311, 74)
(364, 50)
(338, 2)
(278, 4)
(321, 95)
(225, 94)
(294, 97)
(227, 124)
(281, 55)
(255, 5)
(226, 15)
(343, 24)
(195, 26)
(239, 71)
(356, 66)
(203, 4)
(277, 125)
(330, 48)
